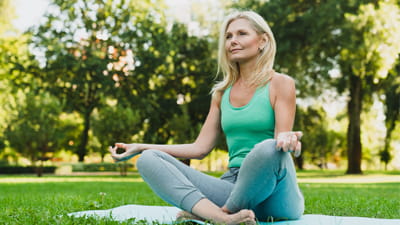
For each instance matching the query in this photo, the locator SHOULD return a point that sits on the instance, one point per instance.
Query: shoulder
(280, 81)
(281, 87)
(216, 98)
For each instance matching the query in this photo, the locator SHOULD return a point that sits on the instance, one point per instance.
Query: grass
(31, 200)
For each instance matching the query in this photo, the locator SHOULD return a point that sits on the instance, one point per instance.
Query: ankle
(226, 210)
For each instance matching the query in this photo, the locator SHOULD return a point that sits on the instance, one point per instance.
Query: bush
(99, 167)
(3, 163)
(24, 169)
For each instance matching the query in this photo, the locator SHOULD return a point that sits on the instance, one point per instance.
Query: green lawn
(31, 200)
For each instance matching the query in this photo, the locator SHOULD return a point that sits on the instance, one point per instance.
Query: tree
(88, 49)
(11, 45)
(176, 64)
(7, 13)
(357, 38)
(319, 143)
(35, 130)
(392, 112)
(116, 124)
(371, 51)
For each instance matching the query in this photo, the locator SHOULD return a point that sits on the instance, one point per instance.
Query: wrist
(140, 147)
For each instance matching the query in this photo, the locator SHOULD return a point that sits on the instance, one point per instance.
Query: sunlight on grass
(26, 199)
(68, 179)
(353, 179)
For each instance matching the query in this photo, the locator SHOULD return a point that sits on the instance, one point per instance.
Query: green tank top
(247, 125)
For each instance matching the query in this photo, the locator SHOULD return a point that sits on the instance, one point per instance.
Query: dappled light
(88, 86)
(137, 71)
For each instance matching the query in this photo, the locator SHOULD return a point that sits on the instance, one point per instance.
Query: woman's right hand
(130, 150)
(290, 142)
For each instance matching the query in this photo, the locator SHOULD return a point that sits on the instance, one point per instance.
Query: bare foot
(244, 216)
(183, 215)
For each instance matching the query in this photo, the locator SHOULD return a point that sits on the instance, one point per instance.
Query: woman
(254, 107)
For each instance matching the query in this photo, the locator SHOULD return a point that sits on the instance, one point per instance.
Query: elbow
(200, 151)
(201, 156)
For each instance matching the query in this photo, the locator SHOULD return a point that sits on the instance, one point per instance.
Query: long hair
(230, 70)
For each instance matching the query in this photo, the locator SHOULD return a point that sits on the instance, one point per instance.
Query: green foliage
(122, 50)
(35, 130)
(97, 167)
(25, 169)
(116, 124)
(93, 45)
(359, 39)
(373, 39)
(172, 64)
(7, 13)
(319, 143)
(392, 112)
(367, 56)
(12, 82)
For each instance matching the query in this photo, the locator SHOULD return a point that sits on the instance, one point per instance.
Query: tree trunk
(385, 153)
(85, 136)
(39, 169)
(300, 162)
(354, 148)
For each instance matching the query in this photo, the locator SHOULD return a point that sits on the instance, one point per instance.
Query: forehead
(239, 24)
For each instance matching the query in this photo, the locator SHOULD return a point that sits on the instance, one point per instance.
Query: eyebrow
(238, 30)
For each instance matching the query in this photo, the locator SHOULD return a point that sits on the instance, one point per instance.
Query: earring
(260, 49)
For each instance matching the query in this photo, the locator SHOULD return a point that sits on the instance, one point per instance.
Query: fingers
(289, 142)
(297, 151)
(120, 145)
(112, 150)
(298, 134)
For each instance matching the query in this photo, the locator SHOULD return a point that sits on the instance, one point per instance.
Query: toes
(248, 217)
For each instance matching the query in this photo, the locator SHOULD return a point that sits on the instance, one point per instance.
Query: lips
(235, 50)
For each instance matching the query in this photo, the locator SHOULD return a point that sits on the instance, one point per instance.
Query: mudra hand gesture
(131, 150)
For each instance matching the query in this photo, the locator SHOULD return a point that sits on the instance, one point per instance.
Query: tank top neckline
(248, 103)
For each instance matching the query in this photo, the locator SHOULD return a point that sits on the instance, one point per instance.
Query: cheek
(253, 44)
(227, 45)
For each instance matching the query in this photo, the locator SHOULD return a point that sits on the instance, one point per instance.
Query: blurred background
(77, 76)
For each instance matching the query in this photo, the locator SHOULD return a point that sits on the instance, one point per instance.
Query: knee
(266, 149)
(146, 158)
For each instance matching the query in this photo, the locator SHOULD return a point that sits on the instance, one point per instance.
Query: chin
(236, 58)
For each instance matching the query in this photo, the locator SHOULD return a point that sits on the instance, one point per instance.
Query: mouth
(235, 50)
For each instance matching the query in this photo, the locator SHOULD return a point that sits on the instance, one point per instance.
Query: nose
(233, 40)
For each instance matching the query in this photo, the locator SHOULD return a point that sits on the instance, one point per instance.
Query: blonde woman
(255, 107)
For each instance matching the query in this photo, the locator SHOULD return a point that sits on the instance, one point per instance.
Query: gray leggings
(265, 183)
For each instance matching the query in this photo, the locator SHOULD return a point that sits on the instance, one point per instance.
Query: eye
(242, 33)
(228, 36)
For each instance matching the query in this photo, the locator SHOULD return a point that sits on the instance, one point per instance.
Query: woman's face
(242, 42)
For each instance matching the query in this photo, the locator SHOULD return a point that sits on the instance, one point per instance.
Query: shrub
(98, 167)
(24, 169)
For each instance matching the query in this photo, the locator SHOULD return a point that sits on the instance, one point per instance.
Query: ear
(263, 40)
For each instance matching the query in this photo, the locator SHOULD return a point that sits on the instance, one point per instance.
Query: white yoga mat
(167, 214)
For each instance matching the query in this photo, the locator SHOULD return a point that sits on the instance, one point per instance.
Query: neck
(246, 70)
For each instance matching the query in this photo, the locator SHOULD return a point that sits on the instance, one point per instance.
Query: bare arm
(283, 99)
(203, 144)
(283, 93)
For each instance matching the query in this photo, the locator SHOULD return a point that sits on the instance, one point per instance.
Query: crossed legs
(189, 189)
(266, 186)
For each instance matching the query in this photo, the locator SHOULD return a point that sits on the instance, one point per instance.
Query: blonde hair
(230, 70)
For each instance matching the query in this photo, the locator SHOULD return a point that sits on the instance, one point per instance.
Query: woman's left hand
(289, 142)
